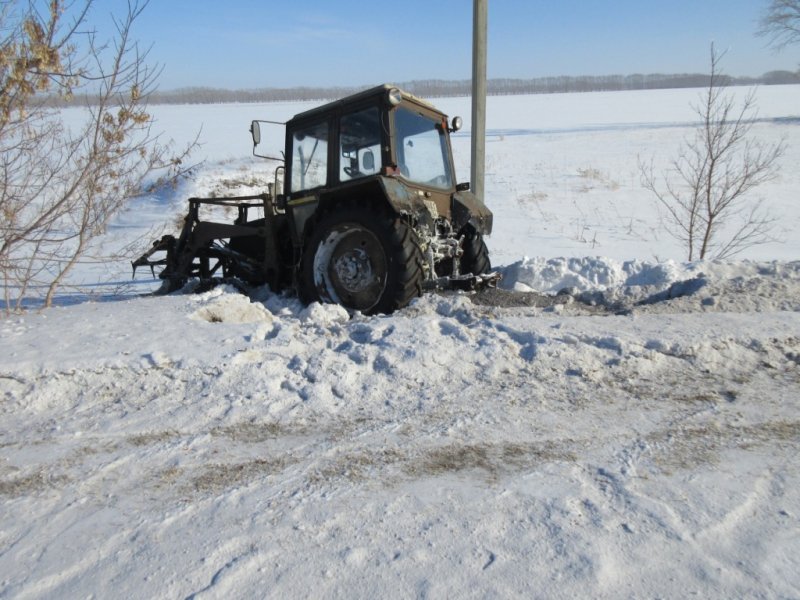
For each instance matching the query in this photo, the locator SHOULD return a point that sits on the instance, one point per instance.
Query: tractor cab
(382, 132)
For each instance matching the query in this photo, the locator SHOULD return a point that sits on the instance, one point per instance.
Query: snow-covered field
(637, 437)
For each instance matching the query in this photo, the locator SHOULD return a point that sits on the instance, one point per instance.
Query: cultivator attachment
(244, 251)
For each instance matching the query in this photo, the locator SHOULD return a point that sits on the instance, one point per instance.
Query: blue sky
(263, 43)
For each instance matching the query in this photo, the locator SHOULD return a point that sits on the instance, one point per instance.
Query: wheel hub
(354, 270)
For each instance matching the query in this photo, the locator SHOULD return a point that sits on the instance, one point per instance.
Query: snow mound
(225, 305)
(324, 315)
(551, 275)
(585, 274)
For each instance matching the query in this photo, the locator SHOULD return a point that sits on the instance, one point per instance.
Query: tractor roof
(381, 90)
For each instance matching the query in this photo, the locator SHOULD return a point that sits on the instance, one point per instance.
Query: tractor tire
(475, 259)
(362, 259)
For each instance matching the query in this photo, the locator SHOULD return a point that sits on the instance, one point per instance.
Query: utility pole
(479, 35)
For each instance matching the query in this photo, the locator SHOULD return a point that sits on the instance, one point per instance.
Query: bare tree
(61, 182)
(707, 193)
(781, 23)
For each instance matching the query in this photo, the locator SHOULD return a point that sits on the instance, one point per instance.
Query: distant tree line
(441, 88)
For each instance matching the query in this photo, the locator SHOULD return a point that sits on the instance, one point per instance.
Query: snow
(635, 436)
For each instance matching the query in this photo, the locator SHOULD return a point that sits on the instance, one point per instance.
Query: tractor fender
(468, 209)
(391, 192)
(408, 201)
(400, 198)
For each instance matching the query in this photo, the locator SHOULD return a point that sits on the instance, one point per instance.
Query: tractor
(364, 211)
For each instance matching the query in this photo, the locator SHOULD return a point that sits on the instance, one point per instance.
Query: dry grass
(356, 466)
(219, 477)
(30, 484)
(151, 437)
(690, 447)
(253, 433)
(494, 459)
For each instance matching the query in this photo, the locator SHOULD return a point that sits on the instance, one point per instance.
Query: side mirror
(255, 131)
(462, 187)
(456, 124)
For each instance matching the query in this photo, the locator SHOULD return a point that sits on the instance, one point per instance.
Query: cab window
(359, 144)
(422, 150)
(310, 157)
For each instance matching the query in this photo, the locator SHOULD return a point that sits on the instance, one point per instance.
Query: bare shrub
(707, 191)
(61, 183)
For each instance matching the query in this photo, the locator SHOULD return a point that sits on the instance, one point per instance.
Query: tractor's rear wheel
(363, 260)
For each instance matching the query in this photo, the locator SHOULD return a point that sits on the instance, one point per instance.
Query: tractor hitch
(467, 283)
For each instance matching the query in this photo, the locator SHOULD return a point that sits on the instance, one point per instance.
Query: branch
(781, 23)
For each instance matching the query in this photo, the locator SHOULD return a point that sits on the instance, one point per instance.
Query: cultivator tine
(164, 244)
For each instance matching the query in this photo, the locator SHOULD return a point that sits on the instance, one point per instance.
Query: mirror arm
(279, 159)
(255, 132)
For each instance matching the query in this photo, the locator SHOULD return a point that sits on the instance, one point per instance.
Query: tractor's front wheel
(475, 259)
(363, 260)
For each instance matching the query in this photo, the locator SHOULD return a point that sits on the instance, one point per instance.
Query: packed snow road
(617, 440)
